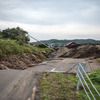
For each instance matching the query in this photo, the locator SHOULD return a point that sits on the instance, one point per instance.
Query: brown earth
(20, 62)
(82, 51)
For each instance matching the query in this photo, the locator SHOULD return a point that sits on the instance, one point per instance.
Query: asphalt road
(22, 84)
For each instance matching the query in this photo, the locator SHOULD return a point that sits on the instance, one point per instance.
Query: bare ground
(20, 62)
(82, 51)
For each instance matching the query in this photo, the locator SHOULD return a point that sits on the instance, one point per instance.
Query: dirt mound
(20, 62)
(82, 51)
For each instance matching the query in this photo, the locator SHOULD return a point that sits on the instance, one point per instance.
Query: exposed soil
(20, 62)
(82, 51)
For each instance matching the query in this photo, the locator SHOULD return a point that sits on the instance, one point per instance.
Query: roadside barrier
(80, 72)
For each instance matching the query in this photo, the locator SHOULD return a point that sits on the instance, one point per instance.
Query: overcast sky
(53, 19)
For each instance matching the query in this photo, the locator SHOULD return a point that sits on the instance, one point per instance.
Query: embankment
(82, 51)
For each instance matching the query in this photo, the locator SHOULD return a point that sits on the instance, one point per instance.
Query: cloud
(53, 18)
(59, 31)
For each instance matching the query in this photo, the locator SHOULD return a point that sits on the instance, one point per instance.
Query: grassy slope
(9, 47)
(58, 86)
(95, 78)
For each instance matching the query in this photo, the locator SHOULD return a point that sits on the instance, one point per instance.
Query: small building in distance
(71, 45)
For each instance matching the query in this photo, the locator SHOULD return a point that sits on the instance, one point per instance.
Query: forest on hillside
(64, 42)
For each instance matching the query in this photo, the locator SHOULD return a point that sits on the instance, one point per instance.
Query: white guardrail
(80, 72)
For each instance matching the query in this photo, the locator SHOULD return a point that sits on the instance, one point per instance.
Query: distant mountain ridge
(64, 42)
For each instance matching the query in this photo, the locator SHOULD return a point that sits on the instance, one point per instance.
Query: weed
(95, 78)
(36, 73)
(9, 47)
(15, 85)
(58, 86)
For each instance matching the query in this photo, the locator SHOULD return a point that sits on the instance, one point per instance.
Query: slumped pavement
(22, 84)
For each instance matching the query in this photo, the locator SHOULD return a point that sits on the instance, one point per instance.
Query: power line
(7, 19)
(40, 42)
(3, 19)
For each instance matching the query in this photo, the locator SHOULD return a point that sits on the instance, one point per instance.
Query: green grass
(9, 47)
(95, 78)
(58, 86)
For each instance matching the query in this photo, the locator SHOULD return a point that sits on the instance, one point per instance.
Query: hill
(64, 42)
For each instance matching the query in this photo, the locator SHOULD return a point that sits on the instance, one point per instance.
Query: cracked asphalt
(22, 84)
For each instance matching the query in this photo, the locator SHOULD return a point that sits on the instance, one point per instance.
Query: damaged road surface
(19, 84)
(22, 84)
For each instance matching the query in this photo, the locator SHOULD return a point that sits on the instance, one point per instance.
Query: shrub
(42, 45)
(9, 47)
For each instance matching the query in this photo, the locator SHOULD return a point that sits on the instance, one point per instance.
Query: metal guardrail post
(78, 74)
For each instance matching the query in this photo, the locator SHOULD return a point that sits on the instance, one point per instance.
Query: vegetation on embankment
(16, 56)
(15, 41)
(10, 47)
(95, 78)
(16, 52)
(59, 86)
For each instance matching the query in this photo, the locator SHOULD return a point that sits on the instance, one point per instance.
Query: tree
(16, 34)
(0, 34)
(42, 45)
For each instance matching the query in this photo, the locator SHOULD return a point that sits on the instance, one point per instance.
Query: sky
(53, 19)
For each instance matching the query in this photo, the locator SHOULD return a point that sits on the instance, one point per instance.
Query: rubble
(82, 51)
